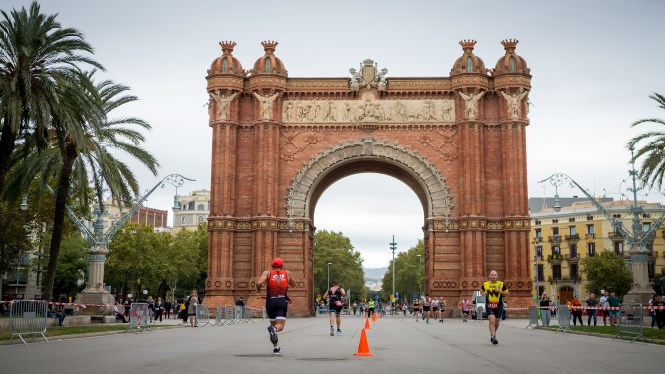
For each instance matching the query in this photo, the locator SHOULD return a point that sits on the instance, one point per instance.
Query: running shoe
(276, 351)
(273, 335)
(332, 331)
(494, 341)
(339, 331)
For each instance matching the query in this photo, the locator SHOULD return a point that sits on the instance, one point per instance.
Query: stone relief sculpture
(223, 103)
(382, 78)
(514, 102)
(368, 110)
(355, 76)
(266, 104)
(471, 102)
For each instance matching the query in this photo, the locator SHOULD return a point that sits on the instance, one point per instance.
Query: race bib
(492, 305)
(338, 303)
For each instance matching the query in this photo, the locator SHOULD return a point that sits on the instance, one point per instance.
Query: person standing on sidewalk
(159, 309)
(614, 304)
(277, 282)
(494, 289)
(604, 305)
(191, 309)
(544, 302)
(240, 305)
(335, 295)
(591, 303)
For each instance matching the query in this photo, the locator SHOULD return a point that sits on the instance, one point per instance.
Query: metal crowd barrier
(229, 314)
(631, 321)
(248, 315)
(28, 317)
(138, 317)
(219, 314)
(533, 317)
(202, 315)
(479, 314)
(563, 319)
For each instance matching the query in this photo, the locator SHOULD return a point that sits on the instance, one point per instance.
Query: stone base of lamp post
(641, 291)
(91, 299)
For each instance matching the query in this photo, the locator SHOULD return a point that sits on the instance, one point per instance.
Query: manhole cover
(320, 359)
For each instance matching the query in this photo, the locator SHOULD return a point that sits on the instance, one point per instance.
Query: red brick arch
(279, 142)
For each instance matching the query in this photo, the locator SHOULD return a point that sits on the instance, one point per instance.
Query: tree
(37, 56)
(346, 264)
(652, 169)
(14, 235)
(77, 162)
(72, 265)
(607, 271)
(408, 275)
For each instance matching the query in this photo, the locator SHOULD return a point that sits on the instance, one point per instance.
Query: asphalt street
(399, 345)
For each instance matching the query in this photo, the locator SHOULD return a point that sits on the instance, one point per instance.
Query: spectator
(604, 306)
(545, 314)
(614, 303)
(118, 314)
(58, 311)
(128, 305)
(591, 303)
(576, 310)
(151, 309)
(659, 311)
(168, 306)
(159, 308)
(191, 310)
(240, 304)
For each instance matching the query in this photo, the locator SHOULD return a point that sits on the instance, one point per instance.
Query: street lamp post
(420, 269)
(330, 263)
(636, 238)
(393, 247)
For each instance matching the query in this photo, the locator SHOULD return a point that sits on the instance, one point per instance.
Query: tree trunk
(7, 145)
(62, 194)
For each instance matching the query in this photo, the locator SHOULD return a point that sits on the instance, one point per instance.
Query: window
(469, 64)
(511, 64)
(589, 218)
(268, 66)
(537, 222)
(573, 251)
(555, 231)
(183, 220)
(651, 269)
(618, 248)
(541, 290)
(541, 273)
(199, 219)
(539, 233)
(556, 271)
(191, 205)
(556, 250)
(591, 249)
(539, 251)
(616, 215)
(646, 226)
(573, 271)
(225, 66)
(571, 219)
(646, 215)
(201, 207)
(572, 230)
(590, 230)
(555, 221)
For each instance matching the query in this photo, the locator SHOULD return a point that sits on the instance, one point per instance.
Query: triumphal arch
(278, 142)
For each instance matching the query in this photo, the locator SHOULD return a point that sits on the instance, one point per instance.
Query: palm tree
(79, 163)
(652, 170)
(37, 56)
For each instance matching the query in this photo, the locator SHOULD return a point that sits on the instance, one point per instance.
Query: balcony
(614, 235)
(571, 258)
(590, 237)
(540, 279)
(555, 258)
(537, 258)
(537, 239)
(571, 279)
(572, 238)
(554, 239)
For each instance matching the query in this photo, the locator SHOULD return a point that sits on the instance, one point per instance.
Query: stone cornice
(480, 224)
(256, 224)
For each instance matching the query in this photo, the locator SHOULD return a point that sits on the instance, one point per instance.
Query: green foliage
(652, 150)
(14, 235)
(408, 273)
(347, 264)
(137, 252)
(606, 270)
(72, 264)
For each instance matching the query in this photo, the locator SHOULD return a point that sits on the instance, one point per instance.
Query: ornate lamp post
(393, 247)
(330, 263)
(636, 238)
(94, 291)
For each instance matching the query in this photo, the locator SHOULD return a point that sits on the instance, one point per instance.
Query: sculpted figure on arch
(471, 102)
(514, 102)
(266, 104)
(223, 103)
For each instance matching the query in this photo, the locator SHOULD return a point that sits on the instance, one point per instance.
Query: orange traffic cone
(367, 323)
(373, 317)
(363, 347)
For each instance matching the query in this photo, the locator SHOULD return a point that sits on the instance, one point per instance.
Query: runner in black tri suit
(335, 297)
(278, 281)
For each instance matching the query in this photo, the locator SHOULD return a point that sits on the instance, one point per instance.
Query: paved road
(400, 345)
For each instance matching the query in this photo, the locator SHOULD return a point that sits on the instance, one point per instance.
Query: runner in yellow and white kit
(494, 289)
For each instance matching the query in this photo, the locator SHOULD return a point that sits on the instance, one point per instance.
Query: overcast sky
(594, 64)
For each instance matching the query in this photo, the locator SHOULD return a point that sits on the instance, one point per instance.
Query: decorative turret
(511, 62)
(226, 64)
(468, 63)
(269, 63)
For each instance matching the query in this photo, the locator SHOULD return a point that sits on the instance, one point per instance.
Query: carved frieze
(367, 110)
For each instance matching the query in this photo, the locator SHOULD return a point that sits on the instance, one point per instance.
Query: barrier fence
(533, 317)
(479, 314)
(138, 317)
(202, 315)
(28, 317)
(631, 322)
(563, 319)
